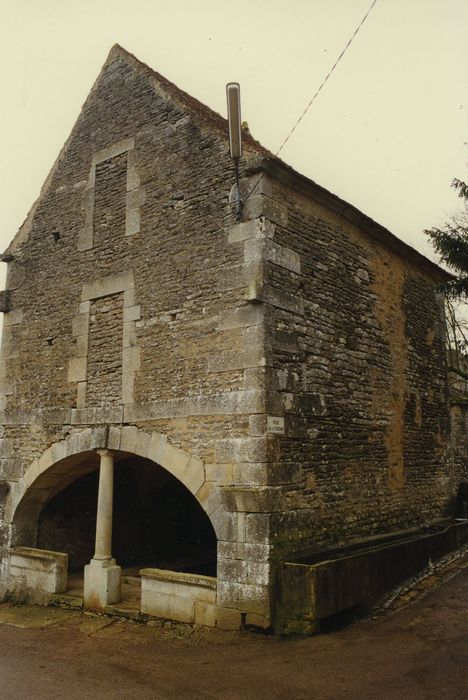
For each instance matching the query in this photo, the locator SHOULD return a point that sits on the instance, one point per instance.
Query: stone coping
(180, 577)
(44, 554)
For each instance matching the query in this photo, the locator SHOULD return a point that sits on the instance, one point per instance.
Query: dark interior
(157, 521)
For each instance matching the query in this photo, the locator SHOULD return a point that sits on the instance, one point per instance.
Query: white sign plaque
(275, 424)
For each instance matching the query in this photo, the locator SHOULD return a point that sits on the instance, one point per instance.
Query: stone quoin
(200, 397)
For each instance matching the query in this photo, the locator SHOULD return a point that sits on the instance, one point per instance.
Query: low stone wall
(35, 572)
(314, 589)
(178, 596)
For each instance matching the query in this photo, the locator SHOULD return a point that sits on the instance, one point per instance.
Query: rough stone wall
(104, 366)
(459, 432)
(355, 366)
(127, 309)
(287, 368)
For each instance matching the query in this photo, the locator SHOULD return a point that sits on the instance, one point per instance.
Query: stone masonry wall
(288, 367)
(128, 312)
(459, 432)
(104, 367)
(355, 367)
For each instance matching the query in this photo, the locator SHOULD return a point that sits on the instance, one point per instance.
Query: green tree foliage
(451, 242)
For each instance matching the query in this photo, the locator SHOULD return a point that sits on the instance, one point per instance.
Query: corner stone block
(277, 254)
(258, 528)
(225, 524)
(260, 206)
(221, 473)
(244, 597)
(250, 474)
(232, 570)
(254, 228)
(245, 500)
(248, 449)
(242, 316)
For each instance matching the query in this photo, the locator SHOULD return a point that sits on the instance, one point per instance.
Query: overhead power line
(319, 89)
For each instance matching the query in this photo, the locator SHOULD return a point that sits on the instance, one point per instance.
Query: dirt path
(420, 652)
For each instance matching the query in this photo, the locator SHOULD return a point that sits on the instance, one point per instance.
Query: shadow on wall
(157, 521)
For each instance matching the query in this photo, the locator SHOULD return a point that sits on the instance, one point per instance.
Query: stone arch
(64, 461)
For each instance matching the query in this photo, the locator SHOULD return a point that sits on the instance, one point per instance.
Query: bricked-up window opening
(104, 368)
(157, 522)
(110, 200)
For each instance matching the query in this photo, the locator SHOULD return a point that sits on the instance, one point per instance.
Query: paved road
(420, 652)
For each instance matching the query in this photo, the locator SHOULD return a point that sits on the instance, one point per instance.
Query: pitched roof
(269, 163)
(205, 114)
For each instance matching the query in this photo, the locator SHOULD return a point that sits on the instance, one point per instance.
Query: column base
(101, 584)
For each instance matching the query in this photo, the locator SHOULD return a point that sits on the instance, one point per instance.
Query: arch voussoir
(187, 468)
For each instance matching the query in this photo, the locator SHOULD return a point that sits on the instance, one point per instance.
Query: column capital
(103, 452)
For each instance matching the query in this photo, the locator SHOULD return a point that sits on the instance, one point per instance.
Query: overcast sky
(386, 134)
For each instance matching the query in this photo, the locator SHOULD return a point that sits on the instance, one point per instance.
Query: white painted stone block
(38, 570)
(102, 584)
(174, 595)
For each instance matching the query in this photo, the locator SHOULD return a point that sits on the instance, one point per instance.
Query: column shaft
(103, 549)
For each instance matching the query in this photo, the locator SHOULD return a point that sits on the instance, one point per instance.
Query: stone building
(242, 393)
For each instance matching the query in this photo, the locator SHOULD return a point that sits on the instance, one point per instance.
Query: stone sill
(179, 577)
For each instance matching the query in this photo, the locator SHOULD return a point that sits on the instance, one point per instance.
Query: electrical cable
(328, 75)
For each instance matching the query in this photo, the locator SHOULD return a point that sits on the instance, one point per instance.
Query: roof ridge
(210, 115)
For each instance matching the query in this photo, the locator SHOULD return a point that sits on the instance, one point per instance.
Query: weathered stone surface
(287, 368)
(37, 570)
(178, 596)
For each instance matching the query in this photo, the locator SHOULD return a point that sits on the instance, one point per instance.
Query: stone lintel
(113, 150)
(107, 285)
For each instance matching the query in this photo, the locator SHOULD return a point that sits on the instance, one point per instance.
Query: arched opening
(165, 518)
(157, 521)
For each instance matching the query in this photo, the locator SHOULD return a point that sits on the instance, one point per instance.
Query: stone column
(103, 548)
(102, 575)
